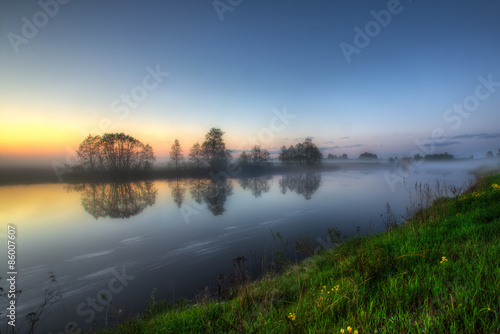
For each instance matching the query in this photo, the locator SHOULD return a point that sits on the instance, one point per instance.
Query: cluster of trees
(114, 152)
(211, 153)
(257, 157)
(490, 155)
(337, 157)
(368, 156)
(302, 153)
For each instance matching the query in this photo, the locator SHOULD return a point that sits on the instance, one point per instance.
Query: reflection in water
(178, 189)
(213, 193)
(257, 185)
(115, 200)
(196, 187)
(303, 184)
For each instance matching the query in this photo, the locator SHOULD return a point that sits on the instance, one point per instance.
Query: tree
(243, 159)
(439, 157)
(285, 155)
(305, 152)
(489, 155)
(312, 154)
(498, 153)
(196, 156)
(344, 156)
(214, 149)
(176, 154)
(259, 156)
(114, 152)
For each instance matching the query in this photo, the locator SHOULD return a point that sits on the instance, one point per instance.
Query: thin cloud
(324, 148)
(478, 136)
(447, 143)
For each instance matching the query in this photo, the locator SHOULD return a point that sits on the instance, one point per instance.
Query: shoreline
(11, 176)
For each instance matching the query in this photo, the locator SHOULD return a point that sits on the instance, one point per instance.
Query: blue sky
(62, 82)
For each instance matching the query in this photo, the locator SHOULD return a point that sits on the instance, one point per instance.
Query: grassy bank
(437, 273)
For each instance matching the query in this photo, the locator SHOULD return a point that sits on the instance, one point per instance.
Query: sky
(386, 77)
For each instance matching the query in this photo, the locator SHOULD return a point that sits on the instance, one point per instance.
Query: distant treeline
(118, 153)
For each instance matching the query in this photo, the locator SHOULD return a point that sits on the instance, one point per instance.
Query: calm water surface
(123, 240)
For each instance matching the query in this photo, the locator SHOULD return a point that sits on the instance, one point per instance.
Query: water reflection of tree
(116, 200)
(213, 193)
(304, 184)
(178, 190)
(257, 185)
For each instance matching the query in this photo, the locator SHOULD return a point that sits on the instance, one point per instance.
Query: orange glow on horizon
(39, 139)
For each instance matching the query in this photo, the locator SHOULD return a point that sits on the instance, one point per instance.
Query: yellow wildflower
(495, 186)
(342, 331)
(444, 259)
(292, 316)
(349, 329)
(356, 331)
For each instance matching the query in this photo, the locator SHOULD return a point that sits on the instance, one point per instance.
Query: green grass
(395, 282)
